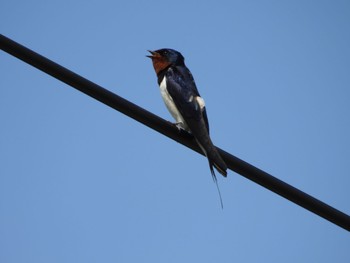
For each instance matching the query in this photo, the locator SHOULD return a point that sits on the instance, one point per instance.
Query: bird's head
(163, 58)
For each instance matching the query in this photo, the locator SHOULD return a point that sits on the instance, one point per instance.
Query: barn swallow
(183, 101)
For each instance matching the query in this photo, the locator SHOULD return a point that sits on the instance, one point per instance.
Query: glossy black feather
(181, 88)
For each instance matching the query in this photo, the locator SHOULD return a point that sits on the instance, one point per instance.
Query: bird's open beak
(153, 54)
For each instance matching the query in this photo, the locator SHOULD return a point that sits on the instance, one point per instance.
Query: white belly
(168, 100)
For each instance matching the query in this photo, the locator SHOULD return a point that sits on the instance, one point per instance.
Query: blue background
(80, 182)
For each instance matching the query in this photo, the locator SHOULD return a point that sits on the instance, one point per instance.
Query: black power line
(235, 164)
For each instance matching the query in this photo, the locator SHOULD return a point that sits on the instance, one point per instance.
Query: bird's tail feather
(216, 161)
(216, 182)
(220, 169)
(214, 157)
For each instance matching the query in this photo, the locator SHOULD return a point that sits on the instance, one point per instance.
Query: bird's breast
(169, 102)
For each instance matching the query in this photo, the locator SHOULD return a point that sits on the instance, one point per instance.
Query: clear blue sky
(80, 182)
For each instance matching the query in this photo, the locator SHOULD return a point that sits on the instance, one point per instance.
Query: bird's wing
(186, 97)
(192, 108)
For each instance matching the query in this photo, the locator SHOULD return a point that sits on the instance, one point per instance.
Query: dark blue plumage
(182, 99)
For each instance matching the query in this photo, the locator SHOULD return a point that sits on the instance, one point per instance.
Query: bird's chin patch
(159, 62)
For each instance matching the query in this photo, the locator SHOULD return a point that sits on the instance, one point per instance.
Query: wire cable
(166, 128)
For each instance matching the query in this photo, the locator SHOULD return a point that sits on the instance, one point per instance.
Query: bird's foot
(182, 130)
(179, 126)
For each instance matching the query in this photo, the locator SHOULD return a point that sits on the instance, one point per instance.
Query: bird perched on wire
(183, 101)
